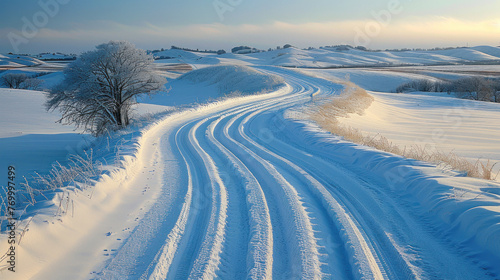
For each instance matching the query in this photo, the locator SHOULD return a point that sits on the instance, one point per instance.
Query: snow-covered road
(246, 194)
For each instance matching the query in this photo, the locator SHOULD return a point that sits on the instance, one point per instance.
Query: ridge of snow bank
(231, 78)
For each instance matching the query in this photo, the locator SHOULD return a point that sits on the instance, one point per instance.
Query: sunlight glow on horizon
(395, 26)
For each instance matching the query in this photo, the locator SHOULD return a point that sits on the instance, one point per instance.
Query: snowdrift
(212, 83)
(231, 79)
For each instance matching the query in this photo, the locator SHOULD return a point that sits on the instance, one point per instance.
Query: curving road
(245, 197)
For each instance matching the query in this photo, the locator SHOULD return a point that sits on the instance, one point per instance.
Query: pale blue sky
(79, 25)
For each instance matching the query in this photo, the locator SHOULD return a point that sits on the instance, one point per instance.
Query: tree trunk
(118, 117)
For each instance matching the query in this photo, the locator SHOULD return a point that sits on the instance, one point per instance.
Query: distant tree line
(65, 56)
(19, 54)
(362, 48)
(59, 59)
(193, 50)
(474, 88)
(345, 48)
(185, 49)
(246, 49)
(422, 49)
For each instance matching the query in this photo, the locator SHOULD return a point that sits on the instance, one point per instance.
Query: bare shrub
(13, 80)
(476, 88)
(425, 86)
(31, 84)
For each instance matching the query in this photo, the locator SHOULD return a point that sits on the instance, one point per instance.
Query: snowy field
(222, 179)
(466, 128)
(30, 138)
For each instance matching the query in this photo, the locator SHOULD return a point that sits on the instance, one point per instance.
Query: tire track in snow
(260, 257)
(208, 260)
(197, 220)
(165, 256)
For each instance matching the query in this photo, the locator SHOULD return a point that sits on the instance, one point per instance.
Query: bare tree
(476, 88)
(13, 80)
(496, 90)
(419, 85)
(32, 84)
(101, 86)
(484, 89)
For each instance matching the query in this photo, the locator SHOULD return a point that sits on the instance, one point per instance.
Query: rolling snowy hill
(330, 57)
(8, 60)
